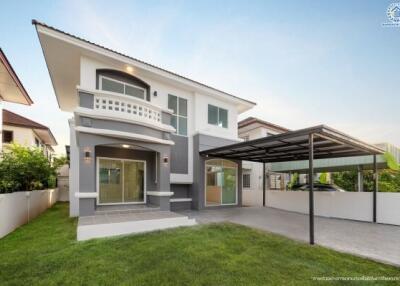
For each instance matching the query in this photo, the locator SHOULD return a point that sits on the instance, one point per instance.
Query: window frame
(218, 116)
(177, 114)
(220, 163)
(124, 84)
(243, 181)
(12, 136)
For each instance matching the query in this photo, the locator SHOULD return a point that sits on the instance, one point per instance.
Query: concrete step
(122, 224)
(125, 209)
(180, 204)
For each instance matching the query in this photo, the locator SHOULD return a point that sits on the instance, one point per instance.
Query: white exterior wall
(348, 205)
(1, 125)
(25, 137)
(22, 136)
(73, 172)
(19, 208)
(197, 108)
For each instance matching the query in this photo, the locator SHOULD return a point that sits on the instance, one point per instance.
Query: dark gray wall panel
(181, 191)
(126, 127)
(179, 154)
(86, 100)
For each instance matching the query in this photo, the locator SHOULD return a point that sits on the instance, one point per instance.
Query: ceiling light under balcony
(125, 146)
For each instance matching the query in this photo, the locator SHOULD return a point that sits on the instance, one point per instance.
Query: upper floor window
(217, 116)
(179, 117)
(37, 142)
(8, 136)
(113, 85)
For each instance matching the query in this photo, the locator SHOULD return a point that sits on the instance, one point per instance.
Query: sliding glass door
(120, 181)
(221, 182)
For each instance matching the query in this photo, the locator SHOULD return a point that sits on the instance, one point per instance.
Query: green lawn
(46, 252)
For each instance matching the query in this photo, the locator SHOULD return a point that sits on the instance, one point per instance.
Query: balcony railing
(127, 107)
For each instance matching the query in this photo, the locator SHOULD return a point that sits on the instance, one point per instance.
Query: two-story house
(25, 132)
(11, 90)
(252, 175)
(137, 130)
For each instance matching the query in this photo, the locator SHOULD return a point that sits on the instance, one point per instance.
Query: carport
(319, 142)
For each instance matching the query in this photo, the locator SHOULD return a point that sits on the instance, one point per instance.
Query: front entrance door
(120, 181)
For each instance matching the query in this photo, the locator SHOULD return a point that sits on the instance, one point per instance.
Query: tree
(25, 169)
(323, 178)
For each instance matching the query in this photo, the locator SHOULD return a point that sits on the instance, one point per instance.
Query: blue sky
(304, 62)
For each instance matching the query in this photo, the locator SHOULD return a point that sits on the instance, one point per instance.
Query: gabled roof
(11, 88)
(148, 65)
(44, 132)
(252, 120)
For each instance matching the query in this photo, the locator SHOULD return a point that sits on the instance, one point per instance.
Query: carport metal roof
(294, 146)
(319, 142)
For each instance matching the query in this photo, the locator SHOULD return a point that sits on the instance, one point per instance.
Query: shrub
(24, 169)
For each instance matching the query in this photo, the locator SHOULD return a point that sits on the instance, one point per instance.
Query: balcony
(120, 107)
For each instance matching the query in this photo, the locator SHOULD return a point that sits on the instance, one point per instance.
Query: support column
(360, 179)
(375, 189)
(263, 182)
(311, 184)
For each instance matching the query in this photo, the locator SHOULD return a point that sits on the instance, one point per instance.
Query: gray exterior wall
(122, 126)
(203, 142)
(87, 168)
(179, 155)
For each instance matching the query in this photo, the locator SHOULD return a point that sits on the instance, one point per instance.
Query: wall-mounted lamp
(165, 160)
(125, 146)
(155, 93)
(87, 156)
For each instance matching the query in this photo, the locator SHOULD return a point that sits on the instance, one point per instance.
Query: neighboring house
(249, 129)
(26, 132)
(11, 89)
(137, 129)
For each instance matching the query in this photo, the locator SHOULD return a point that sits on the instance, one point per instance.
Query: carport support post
(311, 184)
(263, 182)
(375, 188)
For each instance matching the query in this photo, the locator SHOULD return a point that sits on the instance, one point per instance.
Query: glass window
(173, 103)
(182, 107)
(179, 117)
(221, 185)
(182, 126)
(246, 181)
(8, 136)
(212, 114)
(217, 116)
(121, 181)
(136, 92)
(112, 85)
(222, 117)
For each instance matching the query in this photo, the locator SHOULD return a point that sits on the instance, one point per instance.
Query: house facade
(136, 130)
(28, 133)
(11, 90)
(252, 172)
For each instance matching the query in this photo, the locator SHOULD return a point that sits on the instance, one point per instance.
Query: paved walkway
(375, 241)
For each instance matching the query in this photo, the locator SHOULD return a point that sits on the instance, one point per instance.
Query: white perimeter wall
(348, 205)
(19, 208)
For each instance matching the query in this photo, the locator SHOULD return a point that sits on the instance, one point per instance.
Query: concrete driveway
(375, 241)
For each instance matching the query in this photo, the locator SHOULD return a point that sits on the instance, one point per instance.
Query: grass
(45, 252)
